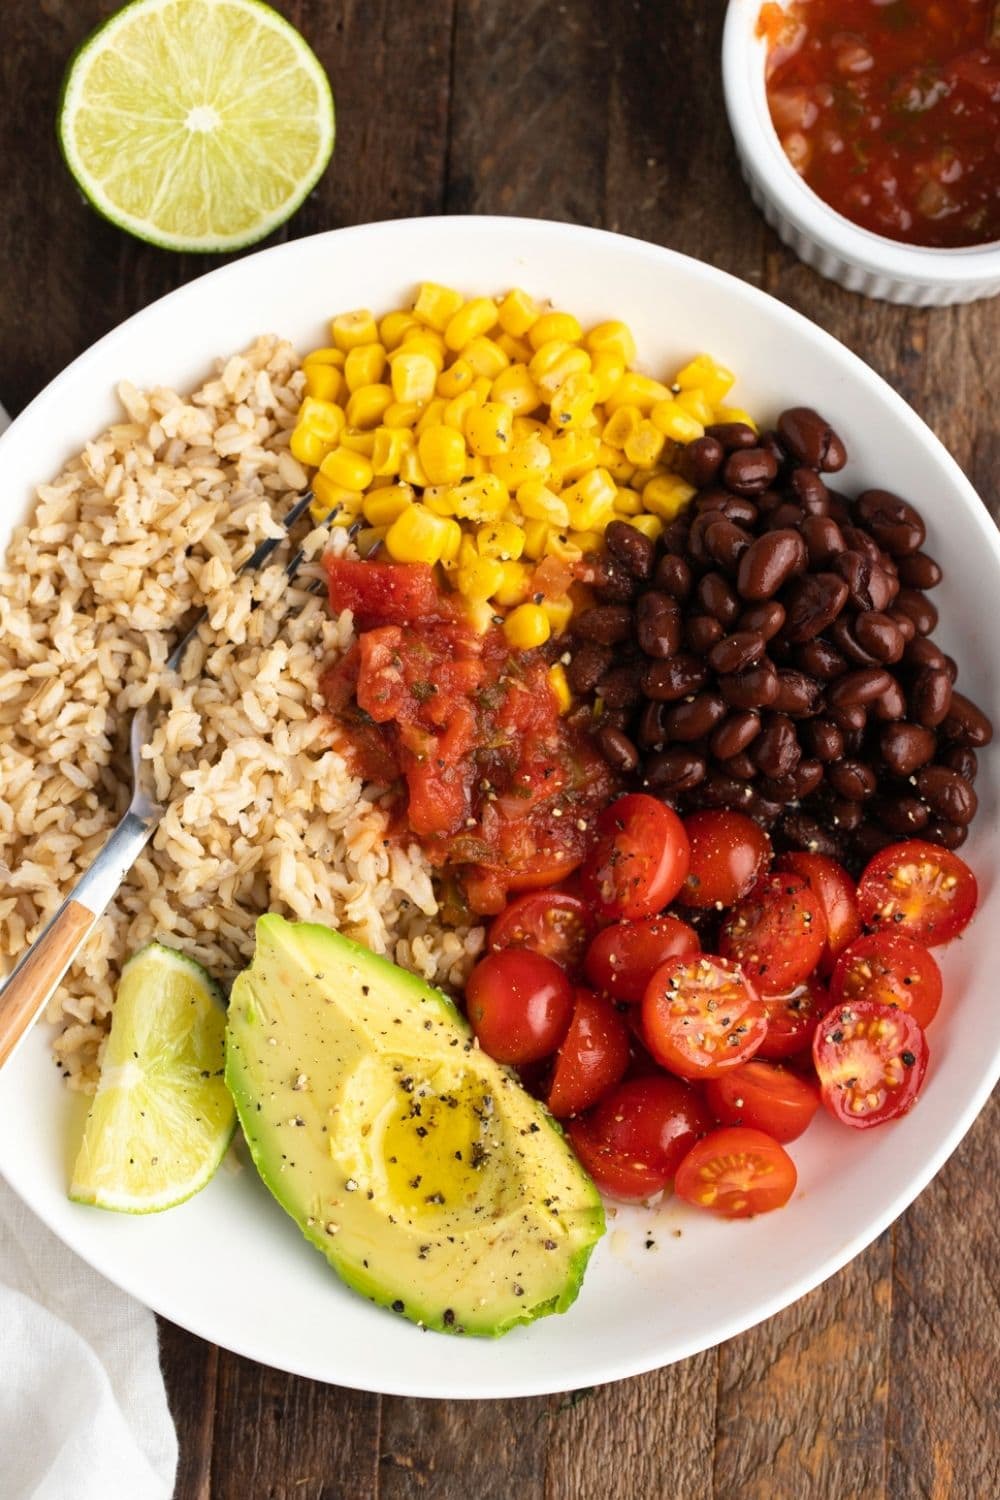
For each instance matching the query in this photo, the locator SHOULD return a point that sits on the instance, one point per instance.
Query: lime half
(196, 124)
(162, 1118)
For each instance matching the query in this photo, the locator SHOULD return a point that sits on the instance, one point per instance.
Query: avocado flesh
(429, 1179)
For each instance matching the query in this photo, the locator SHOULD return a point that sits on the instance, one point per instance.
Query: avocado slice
(429, 1179)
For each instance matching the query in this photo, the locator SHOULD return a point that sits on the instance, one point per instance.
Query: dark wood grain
(880, 1385)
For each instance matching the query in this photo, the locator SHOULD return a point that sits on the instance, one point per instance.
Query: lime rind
(261, 175)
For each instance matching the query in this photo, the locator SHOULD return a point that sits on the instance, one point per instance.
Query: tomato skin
(623, 958)
(701, 1017)
(546, 872)
(551, 923)
(729, 853)
(837, 895)
(383, 593)
(777, 933)
(519, 1004)
(593, 1055)
(891, 969)
(920, 889)
(636, 1138)
(736, 1172)
(639, 860)
(870, 1060)
(765, 1097)
(792, 1019)
(631, 1179)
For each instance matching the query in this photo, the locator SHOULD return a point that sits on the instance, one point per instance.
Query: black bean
(799, 695)
(726, 543)
(851, 718)
(823, 538)
(749, 471)
(948, 795)
(755, 688)
(869, 838)
(604, 623)
(621, 687)
(906, 747)
(811, 604)
(587, 666)
(741, 765)
(767, 618)
(734, 653)
(852, 779)
(797, 830)
(807, 776)
(919, 608)
(651, 732)
(930, 697)
(962, 760)
(678, 677)
(893, 523)
(768, 564)
(673, 770)
(949, 835)
(820, 659)
(699, 462)
(617, 749)
(966, 725)
(717, 598)
(822, 739)
(658, 624)
(732, 435)
(702, 631)
(879, 635)
(694, 717)
(631, 547)
(862, 686)
(842, 634)
(673, 576)
(845, 815)
(613, 583)
(737, 730)
(903, 815)
(920, 652)
(918, 571)
(786, 517)
(776, 751)
(811, 440)
(891, 705)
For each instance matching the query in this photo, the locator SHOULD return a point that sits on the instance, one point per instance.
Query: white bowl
(229, 1265)
(824, 239)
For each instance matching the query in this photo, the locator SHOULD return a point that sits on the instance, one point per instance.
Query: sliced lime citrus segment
(162, 1118)
(196, 124)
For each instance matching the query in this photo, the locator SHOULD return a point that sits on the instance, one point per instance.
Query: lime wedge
(196, 124)
(162, 1118)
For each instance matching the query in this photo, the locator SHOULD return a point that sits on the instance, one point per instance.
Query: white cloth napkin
(83, 1410)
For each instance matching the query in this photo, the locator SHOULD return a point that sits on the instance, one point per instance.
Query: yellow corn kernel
(560, 544)
(330, 498)
(516, 389)
(411, 470)
(432, 415)
(325, 356)
(414, 375)
(536, 536)
(517, 313)
(589, 541)
(559, 613)
(369, 539)
(674, 422)
(538, 503)
(364, 365)
(453, 535)
(620, 426)
(382, 507)
(516, 584)
(395, 326)
(458, 409)
(666, 495)
(607, 368)
(502, 539)
(442, 453)
(518, 351)
(479, 578)
(528, 459)
(573, 402)
(358, 440)
(704, 373)
(323, 382)
(650, 526)
(485, 357)
(416, 535)
(478, 316)
(440, 498)
(734, 414)
(307, 447)
(475, 465)
(573, 453)
(324, 419)
(636, 390)
(402, 414)
(697, 405)
(645, 444)
(424, 341)
(555, 362)
(353, 328)
(554, 325)
(527, 626)
(528, 427)
(614, 337)
(388, 449)
(617, 465)
(352, 471)
(458, 377)
(436, 305)
(368, 406)
(558, 681)
(484, 498)
(488, 429)
(590, 500)
(482, 385)
(628, 502)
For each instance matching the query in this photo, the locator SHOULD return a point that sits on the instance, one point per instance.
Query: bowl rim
(127, 1272)
(743, 53)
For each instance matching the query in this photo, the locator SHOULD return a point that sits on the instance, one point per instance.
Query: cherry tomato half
(639, 861)
(919, 889)
(593, 1056)
(837, 895)
(729, 853)
(519, 1004)
(765, 1097)
(792, 1018)
(870, 1060)
(777, 933)
(736, 1172)
(551, 923)
(891, 970)
(623, 958)
(633, 1179)
(701, 1017)
(640, 1133)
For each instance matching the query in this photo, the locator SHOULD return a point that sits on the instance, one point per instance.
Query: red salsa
(498, 789)
(890, 110)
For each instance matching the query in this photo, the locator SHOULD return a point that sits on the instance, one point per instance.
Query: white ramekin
(854, 257)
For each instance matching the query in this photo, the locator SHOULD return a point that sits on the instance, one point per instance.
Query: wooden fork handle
(35, 978)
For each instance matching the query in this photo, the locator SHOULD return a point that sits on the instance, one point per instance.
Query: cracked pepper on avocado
(581, 817)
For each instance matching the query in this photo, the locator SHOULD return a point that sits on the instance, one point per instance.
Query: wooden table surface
(883, 1382)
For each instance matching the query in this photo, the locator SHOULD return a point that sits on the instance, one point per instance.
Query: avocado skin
(315, 1004)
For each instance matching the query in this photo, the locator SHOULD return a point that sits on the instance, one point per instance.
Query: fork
(33, 980)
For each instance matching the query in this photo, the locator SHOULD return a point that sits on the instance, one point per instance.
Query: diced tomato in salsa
(499, 789)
